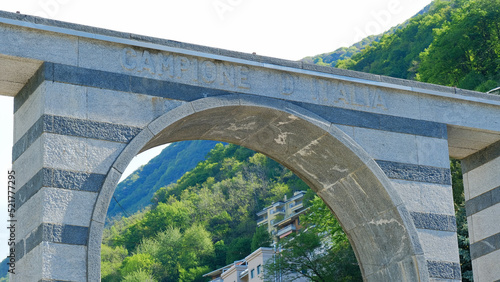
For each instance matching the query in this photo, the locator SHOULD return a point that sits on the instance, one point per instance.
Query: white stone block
(68, 207)
(122, 108)
(29, 216)
(67, 100)
(485, 223)
(94, 252)
(65, 152)
(425, 197)
(29, 267)
(387, 146)
(484, 178)
(101, 155)
(29, 112)
(486, 267)
(433, 152)
(439, 245)
(80, 154)
(29, 163)
(64, 262)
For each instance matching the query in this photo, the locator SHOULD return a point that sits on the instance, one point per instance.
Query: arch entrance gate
(376, 149)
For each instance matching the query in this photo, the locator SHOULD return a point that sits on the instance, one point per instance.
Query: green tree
(139, 276)
(321, 252)
(111, 262)
(261, 238)
(138, 262)
(465, 52)
(462, 227)
(238, 249)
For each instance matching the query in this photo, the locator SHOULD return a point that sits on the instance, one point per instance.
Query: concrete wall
(482, 195)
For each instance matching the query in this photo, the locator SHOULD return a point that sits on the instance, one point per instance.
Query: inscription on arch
(219, 74)
(165, 65)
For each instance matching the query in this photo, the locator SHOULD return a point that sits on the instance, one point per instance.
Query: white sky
(289, 29)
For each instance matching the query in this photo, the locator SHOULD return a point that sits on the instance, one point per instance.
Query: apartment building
(282, 217)
(249, 269)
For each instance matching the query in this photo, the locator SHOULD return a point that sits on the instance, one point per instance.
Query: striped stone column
(482, 195)
(417, 163)
(66, 138)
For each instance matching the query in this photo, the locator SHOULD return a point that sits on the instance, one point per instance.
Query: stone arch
(350, 182)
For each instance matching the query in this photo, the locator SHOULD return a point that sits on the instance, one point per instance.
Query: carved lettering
(226, 74)
(342, 95)
(182, 65)
(128, 59)
(146, 63)
(170, 66)
(208, 71)
(165, 63)
(287, 84)
(242, 77)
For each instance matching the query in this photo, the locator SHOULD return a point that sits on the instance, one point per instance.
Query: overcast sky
(288, 29)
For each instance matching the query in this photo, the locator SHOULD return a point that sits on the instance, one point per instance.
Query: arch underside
(331, 163)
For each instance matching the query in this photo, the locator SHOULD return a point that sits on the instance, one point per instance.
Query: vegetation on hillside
(202, 222)
(134, 193)
(456, 43)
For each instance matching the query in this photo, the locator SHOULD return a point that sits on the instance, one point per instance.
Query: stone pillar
(419, 168)
(482, 204)
(66, 138)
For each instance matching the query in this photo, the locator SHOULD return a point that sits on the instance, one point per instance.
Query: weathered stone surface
(425, 197)
(100, 97)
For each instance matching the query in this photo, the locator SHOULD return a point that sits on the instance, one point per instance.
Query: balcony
(286, 229)
(278, 211)
(261, 220)
(296, 206)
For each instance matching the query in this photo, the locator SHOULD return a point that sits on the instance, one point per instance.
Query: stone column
(66, 138)
(419, 168)
(482, 203)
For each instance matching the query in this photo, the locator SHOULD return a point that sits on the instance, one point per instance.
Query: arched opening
(333, 165)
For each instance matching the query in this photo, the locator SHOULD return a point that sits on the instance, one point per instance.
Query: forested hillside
(456, 43)
(202, 222)
(135, 192)
(344, 53)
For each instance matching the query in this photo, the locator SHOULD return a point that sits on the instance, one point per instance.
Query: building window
(258, 269)
(252, 273)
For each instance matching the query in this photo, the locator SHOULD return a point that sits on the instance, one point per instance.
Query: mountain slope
(134, 193)
(344, 53)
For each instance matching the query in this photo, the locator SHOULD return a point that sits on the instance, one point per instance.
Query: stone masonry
(375, 149)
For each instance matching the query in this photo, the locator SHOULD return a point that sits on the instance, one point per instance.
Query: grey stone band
(378, 121)
(184, 92)
(419, 173)
(30, 87)
(56, 233)
(485, 246)
(48, 177)
(482, 201)
(118, 82)
(73, 127)
(444, 270)
(434, 221)
(484, 156)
